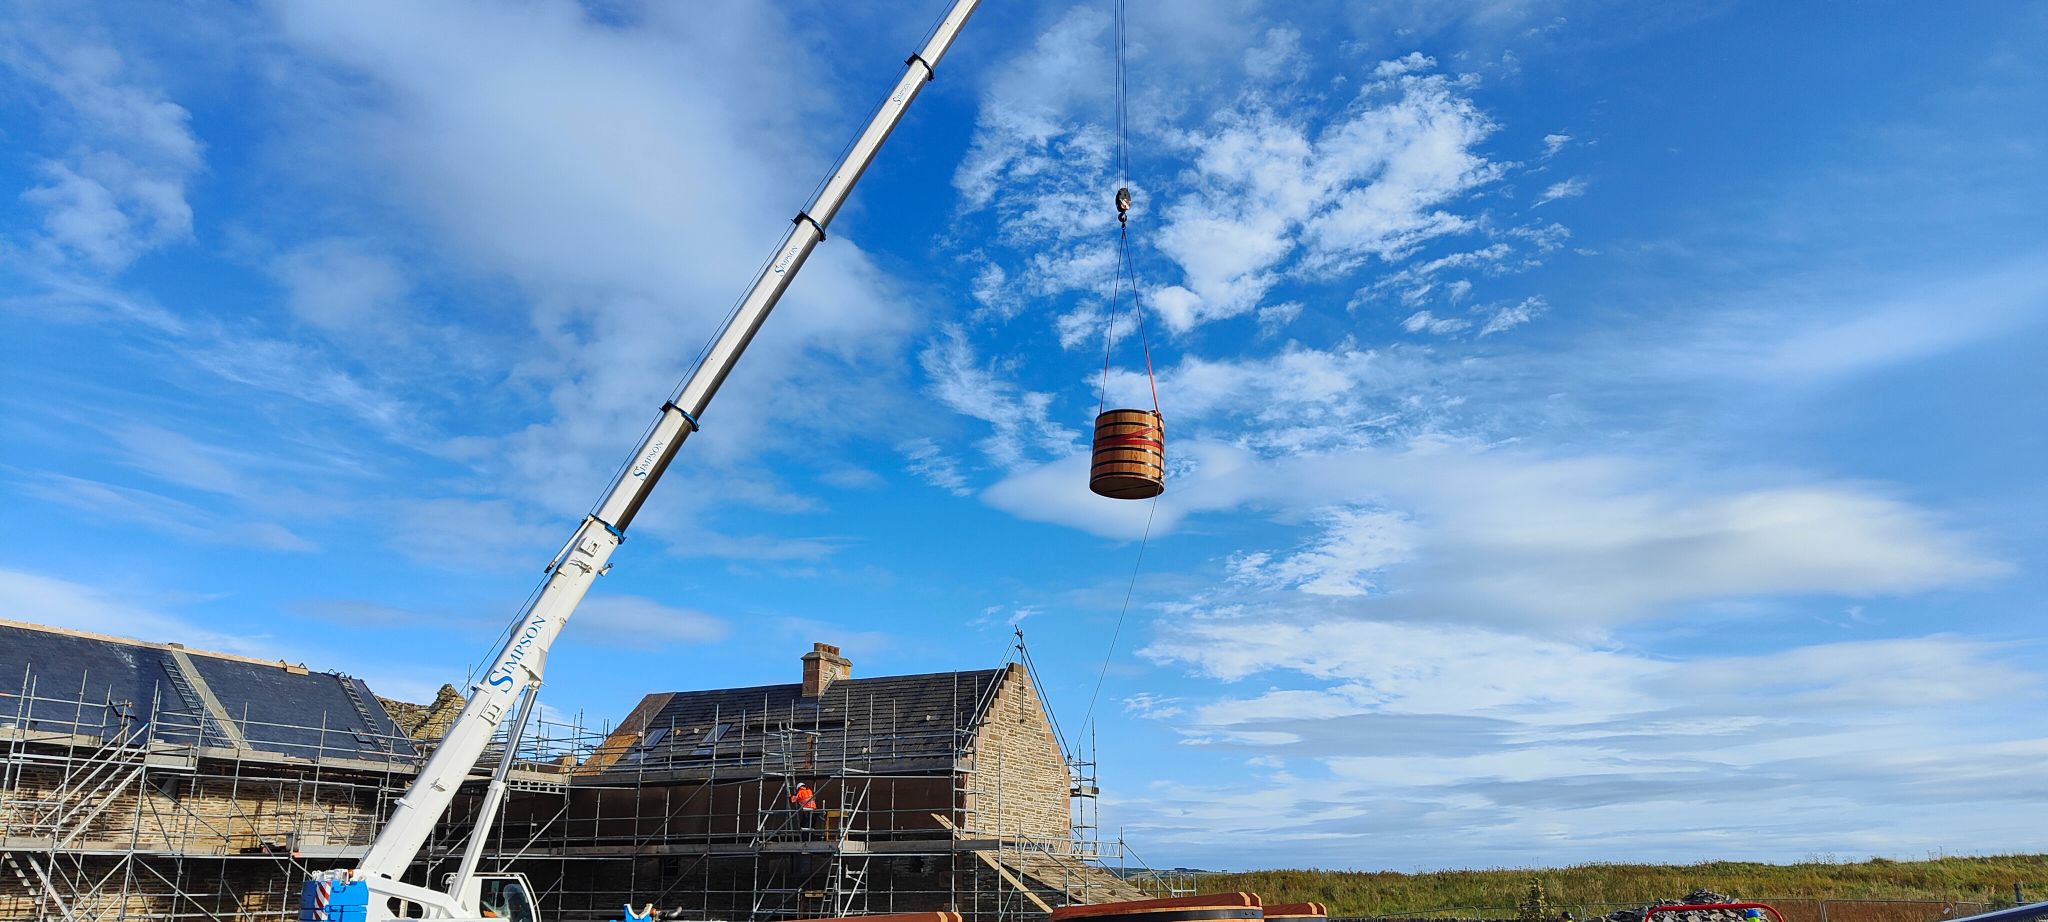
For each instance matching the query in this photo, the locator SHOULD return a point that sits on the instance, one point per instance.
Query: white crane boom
(518, 666)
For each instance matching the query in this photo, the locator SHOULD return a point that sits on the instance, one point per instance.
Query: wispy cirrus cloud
(163, 514)
(1570, 188)
(1023, 431)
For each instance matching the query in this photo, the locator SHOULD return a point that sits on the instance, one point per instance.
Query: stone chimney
(822, 667)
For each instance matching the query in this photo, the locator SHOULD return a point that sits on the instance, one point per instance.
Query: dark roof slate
(907, 723)
(140, 685)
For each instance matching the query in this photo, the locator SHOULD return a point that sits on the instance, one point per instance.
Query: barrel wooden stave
(1129, 455)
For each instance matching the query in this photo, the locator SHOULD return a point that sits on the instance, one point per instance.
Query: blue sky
(1598, 432)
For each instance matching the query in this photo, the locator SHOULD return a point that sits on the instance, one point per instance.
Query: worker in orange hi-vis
(806, 804)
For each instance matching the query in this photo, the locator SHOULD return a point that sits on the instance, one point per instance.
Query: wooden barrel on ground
(1212, 906)
(1299, 912)
(1130, 455)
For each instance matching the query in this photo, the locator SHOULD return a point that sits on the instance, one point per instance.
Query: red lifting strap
(1140, 438)
(1124, 268)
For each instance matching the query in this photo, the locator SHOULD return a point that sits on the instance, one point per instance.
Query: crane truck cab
(500, 896)
(482, 898)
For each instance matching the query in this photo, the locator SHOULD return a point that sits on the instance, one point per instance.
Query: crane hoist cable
(1125, 279)
(1125, 271)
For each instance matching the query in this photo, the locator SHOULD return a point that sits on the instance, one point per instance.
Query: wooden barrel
(1130, 455)
(1301, 912)
(1178, 909)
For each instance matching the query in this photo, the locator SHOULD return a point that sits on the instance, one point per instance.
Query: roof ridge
(852, 681)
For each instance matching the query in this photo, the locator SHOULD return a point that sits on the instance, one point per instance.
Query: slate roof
(912, 723)
(61, 681)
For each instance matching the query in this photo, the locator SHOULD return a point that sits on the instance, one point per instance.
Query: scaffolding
(111, 809)
(121, 810)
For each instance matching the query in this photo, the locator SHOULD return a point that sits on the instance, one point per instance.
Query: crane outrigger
(372, 891)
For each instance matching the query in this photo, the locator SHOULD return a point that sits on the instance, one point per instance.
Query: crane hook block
(1123, 205)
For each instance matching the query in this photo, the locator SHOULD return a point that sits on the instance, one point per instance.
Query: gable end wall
(1016, 780)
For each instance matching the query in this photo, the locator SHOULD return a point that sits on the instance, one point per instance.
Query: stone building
(147, 780)
(940, 790)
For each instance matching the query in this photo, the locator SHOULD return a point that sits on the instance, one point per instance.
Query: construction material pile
(1698, 897)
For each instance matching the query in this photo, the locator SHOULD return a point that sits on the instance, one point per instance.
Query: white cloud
(1293, 400)
(1570, 188)
(1042, 161)
(1407, 64)
(1274, 317)
(1023, 432)
(301, 372)
(177, 458)
(1269, 199)
(1086, 327)
(1024, 128)
(995, 295)
(1552, 143)
(1512, 316)
(1354, 545)
(930, 462)
(1411, 727)
(162, 513)
(852, 478)
(1202, 477)
(641, 623)
(545, 145)
(696, 542)
(59, 603)
(108, 210)
(1279, 58)
(359, 612)
(107, 607)
(342, 285)
(1272, 191)
(1153, 706)
(1500, 537)
(1883, 328)
(1426, 322)
(460, 534)
(119, 191)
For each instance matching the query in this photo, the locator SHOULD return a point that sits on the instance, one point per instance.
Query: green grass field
(1598, 887)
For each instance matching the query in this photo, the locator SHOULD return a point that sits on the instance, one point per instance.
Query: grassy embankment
(1599, 887)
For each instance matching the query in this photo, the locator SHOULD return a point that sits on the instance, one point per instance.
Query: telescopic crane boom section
(518, 665)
